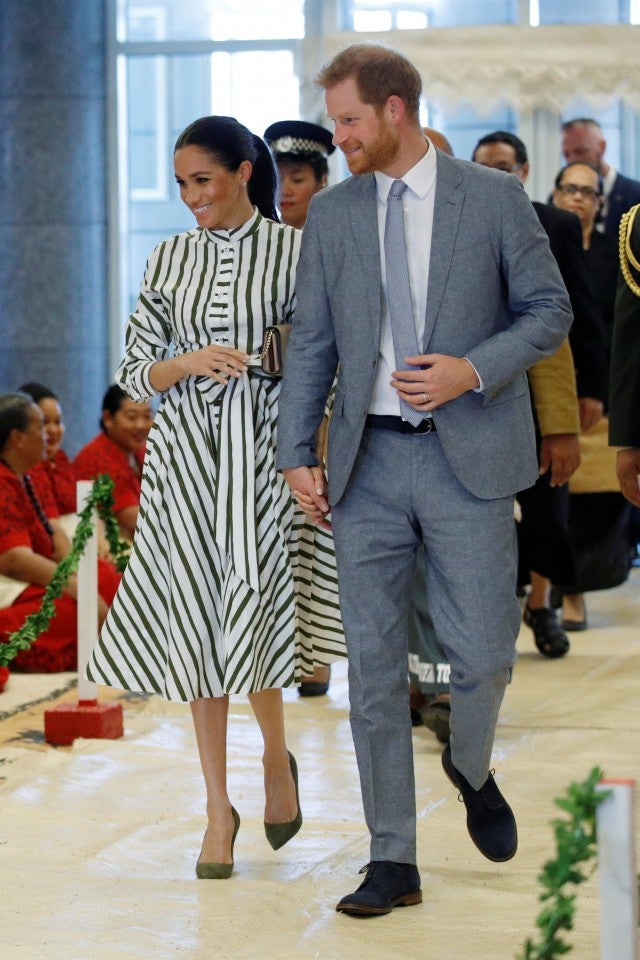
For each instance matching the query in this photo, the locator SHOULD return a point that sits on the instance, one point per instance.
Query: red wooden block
(89, 719)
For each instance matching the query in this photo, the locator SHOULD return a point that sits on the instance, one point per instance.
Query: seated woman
(119, 451)
(55, 478)
(55, 474)
(32, 543)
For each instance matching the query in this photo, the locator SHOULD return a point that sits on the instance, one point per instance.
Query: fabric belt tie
(380, 422)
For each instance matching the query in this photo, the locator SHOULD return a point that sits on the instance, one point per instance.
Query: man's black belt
(398, 424)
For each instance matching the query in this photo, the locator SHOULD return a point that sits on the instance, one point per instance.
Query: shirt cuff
(479, 389)
(137, 383)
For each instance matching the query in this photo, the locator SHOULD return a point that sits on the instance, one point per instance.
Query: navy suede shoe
(490, 820)
(386, 885)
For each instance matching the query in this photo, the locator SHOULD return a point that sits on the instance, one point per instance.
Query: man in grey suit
(488, 302)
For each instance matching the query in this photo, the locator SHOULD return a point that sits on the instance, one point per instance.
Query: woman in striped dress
(217, 598)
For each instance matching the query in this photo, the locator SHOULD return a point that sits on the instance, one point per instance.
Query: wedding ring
(425, 398)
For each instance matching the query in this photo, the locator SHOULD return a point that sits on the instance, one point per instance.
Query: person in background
(545, 545)
(216, 599)
(439, 140)
(583, 142)
(431, 435)
(56, 470)
(300, 150)
(599, 516)
(429, 696)
(624, 396)
(55, 478)
(119, 451)
(32, 543)
(543, 536)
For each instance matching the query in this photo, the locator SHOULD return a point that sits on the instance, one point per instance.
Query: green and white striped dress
(222, 592)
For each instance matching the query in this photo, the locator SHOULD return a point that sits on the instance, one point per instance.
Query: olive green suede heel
(280, 833)
(219, 871)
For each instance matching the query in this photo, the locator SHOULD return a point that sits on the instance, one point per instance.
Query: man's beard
(378, 154)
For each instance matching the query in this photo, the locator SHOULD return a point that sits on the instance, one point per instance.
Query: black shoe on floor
(549, 637)
(311, 688)
(573, 625)
(386, 885)
(316, 684)
(436, 716)
(490, 820)
(416, 719)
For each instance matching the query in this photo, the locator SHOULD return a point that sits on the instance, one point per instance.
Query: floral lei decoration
(100, 499)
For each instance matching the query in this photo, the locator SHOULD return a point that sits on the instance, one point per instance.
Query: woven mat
(27, 696)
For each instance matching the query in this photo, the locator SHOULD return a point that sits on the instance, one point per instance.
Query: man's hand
(309, 487)
(628, 470)
(436, 380)
(590, 411)
(560, 453)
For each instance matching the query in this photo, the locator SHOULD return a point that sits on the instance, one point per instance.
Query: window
(198, 20)
(373, 15)
(176, 60)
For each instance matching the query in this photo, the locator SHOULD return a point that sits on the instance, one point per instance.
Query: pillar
(53, 231)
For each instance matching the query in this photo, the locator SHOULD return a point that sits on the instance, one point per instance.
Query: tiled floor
(98, 842)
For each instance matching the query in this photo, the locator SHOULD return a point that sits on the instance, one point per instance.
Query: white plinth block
(615, 820)
(87, 599)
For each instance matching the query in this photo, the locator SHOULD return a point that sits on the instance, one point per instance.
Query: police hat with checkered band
(298, 138)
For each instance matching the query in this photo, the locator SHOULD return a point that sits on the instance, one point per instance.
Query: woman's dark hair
(38, 391)
(112, 401)
(229, 143)
(13, 414)
(318, 164)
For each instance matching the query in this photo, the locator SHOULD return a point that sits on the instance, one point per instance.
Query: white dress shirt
(607, 186)
(418, 204)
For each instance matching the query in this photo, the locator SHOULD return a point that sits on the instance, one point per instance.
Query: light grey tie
(403, 327)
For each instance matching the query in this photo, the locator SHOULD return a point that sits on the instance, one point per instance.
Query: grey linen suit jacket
(495, 296)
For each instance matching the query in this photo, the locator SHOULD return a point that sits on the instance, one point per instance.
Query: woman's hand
(309, 487)
(71, 586)
(215, 361)
(628, 470)
(104, 550)
(61, 542)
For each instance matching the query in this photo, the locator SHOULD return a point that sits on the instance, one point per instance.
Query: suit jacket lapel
(364, 223)
(449, 200)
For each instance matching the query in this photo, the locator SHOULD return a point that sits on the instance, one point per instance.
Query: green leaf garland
(576, 845)
(101, 499)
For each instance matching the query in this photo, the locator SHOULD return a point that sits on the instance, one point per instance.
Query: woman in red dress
(55, 475)
(32, 543)
(119, 451)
